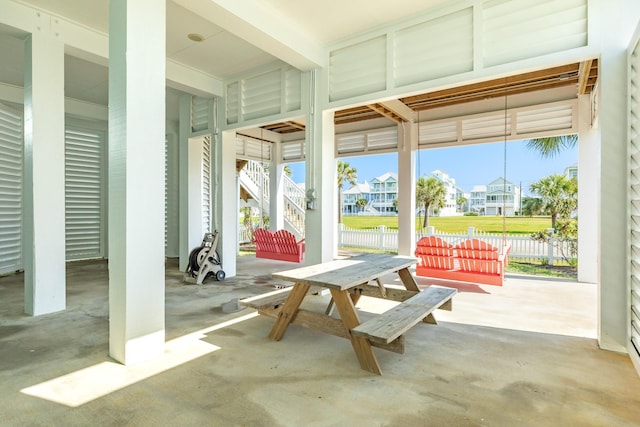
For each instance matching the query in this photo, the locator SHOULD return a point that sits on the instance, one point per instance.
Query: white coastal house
(478, 199)
(384, 192)
(351, 196)
(450, 207)
(571, 171)
(381, 195)
(502, 198)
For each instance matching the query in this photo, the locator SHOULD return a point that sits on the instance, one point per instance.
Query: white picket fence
(522, 247)
(381, 238)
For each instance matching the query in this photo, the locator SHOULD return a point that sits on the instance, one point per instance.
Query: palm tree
(345, 174)
(430, 192)
(460, 201)
(558, 194)
(361, 203)
(553, 145)
(532, 206)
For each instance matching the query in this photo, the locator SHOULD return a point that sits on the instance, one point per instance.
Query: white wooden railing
(294, 205)
(522, 247)
(257, 179)
(253, 178)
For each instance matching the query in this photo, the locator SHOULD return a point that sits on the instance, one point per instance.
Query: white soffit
(257, 23)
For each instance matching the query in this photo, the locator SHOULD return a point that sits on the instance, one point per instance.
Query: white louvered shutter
(634, 196)
(206, 183)
(84, 193)
(166, 192)
(10, 189)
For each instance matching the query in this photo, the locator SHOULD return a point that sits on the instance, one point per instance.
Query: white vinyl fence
(522, 247)
(383, 239)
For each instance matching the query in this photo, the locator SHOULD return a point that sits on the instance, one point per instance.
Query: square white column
(276, 189)
(228, 196)
(44, 195)
(407, 141)
(613, 200)
(136, 179)
(321, 218)
(589, 146)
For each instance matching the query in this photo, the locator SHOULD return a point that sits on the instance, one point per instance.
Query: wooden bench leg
(329, 310)
(430, 319)
(289, 310)
(361, 346)
(383, 290)
(407, 280)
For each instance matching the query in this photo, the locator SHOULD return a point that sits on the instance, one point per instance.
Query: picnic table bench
(348, 280)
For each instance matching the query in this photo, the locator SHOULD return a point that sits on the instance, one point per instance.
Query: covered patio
(522, 354)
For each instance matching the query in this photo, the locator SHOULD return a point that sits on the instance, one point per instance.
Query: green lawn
(456, 224)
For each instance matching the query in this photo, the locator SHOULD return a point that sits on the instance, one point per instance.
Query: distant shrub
(471, 214)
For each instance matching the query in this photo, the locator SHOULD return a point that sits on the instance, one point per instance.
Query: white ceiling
(222, 54)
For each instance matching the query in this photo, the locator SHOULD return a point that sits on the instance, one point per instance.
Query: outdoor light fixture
(195, 37)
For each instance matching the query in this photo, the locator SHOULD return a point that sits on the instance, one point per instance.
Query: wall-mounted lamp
(311, 199)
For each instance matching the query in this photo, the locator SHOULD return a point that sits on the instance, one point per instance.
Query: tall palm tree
(430, 192)
(553, 145)
(345, 174)
(558, 194)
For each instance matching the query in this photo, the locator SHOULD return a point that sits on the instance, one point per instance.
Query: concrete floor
(520, 355)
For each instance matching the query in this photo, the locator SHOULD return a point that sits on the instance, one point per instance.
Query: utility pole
(520, 198)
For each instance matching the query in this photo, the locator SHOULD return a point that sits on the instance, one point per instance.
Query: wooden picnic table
(347, 280)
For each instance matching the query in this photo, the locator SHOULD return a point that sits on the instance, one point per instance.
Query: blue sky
(470, 165)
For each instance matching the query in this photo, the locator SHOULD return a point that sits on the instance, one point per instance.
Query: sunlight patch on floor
(82, 386)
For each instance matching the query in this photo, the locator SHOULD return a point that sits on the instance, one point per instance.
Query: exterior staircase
(370, 210)
(254, 185)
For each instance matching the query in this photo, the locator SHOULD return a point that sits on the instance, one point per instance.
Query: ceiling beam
(400, 109)
(256, 23)
(383, 111)
(584, 73)
(261, 134)
(497, 85)
(296, 125)
(190, 80)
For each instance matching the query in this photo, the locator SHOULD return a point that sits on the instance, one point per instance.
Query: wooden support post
(407, 279)
(383, 290)
(361, 346)
(288, 311)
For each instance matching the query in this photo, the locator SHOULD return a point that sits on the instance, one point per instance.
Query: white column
(173, 192)
(613, 290)
(588, 193)
(195, 192)
(136, 179)
(276, 189)
(228, 194)
(44, 196)
(321, 221)
(184, 130)
(407, 143)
